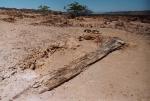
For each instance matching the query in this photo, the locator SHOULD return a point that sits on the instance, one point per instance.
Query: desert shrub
(43, 8)
(75, 9)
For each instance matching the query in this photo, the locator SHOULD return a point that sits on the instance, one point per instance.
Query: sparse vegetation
(43, 8)
(76, 9)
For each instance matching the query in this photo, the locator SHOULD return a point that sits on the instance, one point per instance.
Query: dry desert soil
(34, 48)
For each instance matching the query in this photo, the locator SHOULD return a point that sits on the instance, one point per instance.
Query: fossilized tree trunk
(79, 65)
(62, 75)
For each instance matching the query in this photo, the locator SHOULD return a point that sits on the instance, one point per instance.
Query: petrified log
(54, 79)
(68, 72)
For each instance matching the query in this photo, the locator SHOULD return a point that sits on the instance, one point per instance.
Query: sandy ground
(121, 76)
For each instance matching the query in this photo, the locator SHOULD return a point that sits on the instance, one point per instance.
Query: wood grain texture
(68, 72)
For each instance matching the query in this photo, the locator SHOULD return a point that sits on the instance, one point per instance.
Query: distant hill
(27, 10)
(142, 13)
(146, 12)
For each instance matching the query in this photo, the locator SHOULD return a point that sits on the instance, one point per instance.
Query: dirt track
(122, 76)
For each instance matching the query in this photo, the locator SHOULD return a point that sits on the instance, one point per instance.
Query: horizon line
(65, 11)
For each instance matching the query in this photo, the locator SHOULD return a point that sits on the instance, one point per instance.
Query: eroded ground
(32, 45)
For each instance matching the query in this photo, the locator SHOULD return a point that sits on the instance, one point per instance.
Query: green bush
(76, 9)
(43, 8)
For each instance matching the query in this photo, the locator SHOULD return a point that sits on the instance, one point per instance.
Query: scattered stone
(89, 37)
(10, 19)
(87, 31)
(92, 31)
